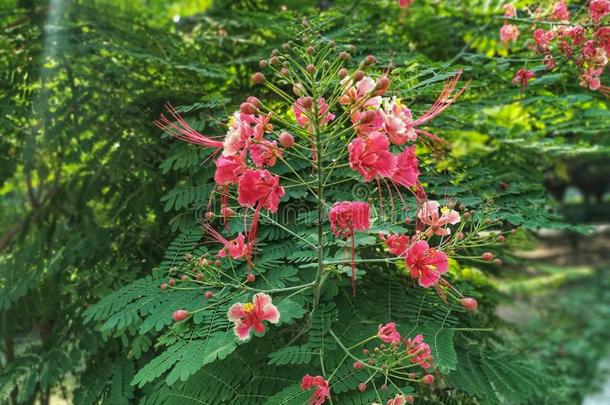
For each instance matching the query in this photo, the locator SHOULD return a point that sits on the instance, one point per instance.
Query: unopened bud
(428, 379)
(250, 278)
(209, 216)
(381, 86)
(248, 108)
(263, 63)
(254, 101)
(184, 277)
(307, 102)
(258, 78)
(469, 304)
(199, 276)
(487, 256)
(369, 60)
(274, 60)
(284, 72)
(351, 48)
(344, 56)
(311, 69)
(310, 50)
(358, 365)
(362, 387)
(409, 399)
(164, 286)
(180, 315)
(498, 262)
(342, 73)
(171, 282)
(208, 295)
(358, 75)
(286, 140)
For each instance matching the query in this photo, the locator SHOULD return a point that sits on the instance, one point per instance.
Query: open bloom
(425, 263)
(509, 10)
(251, 315)
(407, 171)
(229, 169)
(265, 153)
(234, 248)
(398, 122)
(397, 243)
(349, 216)
(303, 115)
(388, 333)
(508, 33)
(371, 157)
(260, 188)
(598, 9)
(322, 388)
(523, 76)
(419, 351)
(543, 38)
(428, 214)
(590, 78)
(560, 11)
(362, 90)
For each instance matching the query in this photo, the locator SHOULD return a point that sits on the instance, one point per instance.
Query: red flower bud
(311, 69)
(254, 101)
(208, 295)
(370, 59)
(501, 238)
(362, 387)
(258, 78)
(428, 379)
(498, 262)
(307, 102)
(383, 387)
(209, 216)
(262, 63)
(250, 278)
(199, 276)
(286, 140)
(180, 315)
(344, 56)
(248, 108)
(274, 60)
(359, 75)
(171, 282)
(365, 352)
(342, 73)
(164, 286)
(408, 220)
(184, 277)
(487, 256)
(409, 399)
(469, 304)
(310, 50)
(358, 365)
(381, 86)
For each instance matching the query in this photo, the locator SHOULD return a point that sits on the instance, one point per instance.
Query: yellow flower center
(445, 210)
(248, 307)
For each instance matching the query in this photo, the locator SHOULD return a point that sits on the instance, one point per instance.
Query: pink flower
(407, 171)
(543, 38)
(303, 115)
(349, 216)
(523, 76)
(259, 188)
(238, 135)
(251, 315)
(322, 388)
(388, 333)
(508, 33)
(576, 33)
(419, 351)
(361, 90)
(509, 10)
(183, 131)
(405, 3)
(598, 9)
(397, 243)
(371, 157)
(229, 169)
(602, 36)
(265, 153)
(425, 263)
(590, 78)
(429, 215)
(397, 400)
(235, 248)
(560, 11)
(398, 122)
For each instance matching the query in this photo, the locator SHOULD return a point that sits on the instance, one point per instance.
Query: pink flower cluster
(381, 122)
(322, 389)
(418, 352)
(509, 32)
(583, 42)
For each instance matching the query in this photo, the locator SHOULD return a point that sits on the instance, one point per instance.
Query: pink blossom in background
(590, 78)
(322, 387)
(388, 333)
(371, 157)
(405, 3)
(407, 168)
(560, 11)
(428, 214)
(523, 76)
(260, 188)
(543, 38)
(598, 9)
(349, 216)
(397, 400)
(420, 351)
(509, 10)
(602, 36)
(425, 263)
(509, 33)
(397, 243)
(251, 315)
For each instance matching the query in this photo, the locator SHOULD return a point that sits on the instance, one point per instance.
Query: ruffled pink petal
(242, 330)
(236, 312)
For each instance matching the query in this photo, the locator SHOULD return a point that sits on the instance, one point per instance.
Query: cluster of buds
(583, 41)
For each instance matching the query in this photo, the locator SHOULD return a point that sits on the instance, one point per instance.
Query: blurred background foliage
(92, 193)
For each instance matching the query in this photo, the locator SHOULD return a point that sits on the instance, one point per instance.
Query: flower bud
(298, 89)
(286, 140)
(368, 117)
(369, 60)
(203, 261)
(263, 63)
(460, 235)
(208, 295)
(254, 101)
(172, 282)
(342, 73)
(307, 102)
(250, 278)
(428, 379)
(381, 86)
(286, 46)
(310, 50)
(358, 365)
(383, 387)
(199, 276)
(501, 238)
(351, 48)
(188, 257)
(332, 43)
(325, 64)
(358, 75)
(209, 216)
(284, 71)
(487, 256)
(274, 60)
(248, 108)
(412, 376)
(180, 315)
(311, 69)
(164, 286)
(365, 352)
(184, 277)
(217, 263)
(469, 304)
(344, 56)
(409, 399)
(258, 78)
(498, 262)
(504, 185)
(362, 387)
(408, 220)
(274, 52)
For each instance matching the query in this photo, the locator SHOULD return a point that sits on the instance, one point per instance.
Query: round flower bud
(428, 379)
(307, 102)
(180, 315)
(384, 387)
(286, 46)
(498, 262)
(258, 78)
(358, 365)
(248, 108)
(172, 282)
(344, 56)
(412, 376)
(331, 43)
(325, 64)
(284, 72)
(409, 399)
(188, 257)
(310, 50)
(184, 277)
(460, 235)
(358, 75)
(254, 101)
(365, 352)
(297, 89)
(362, 387)
(263, 63)
(250, 278)
(199, 276)
(408, 220)
(274, 60)
(501, 238)
(203, 261)
(381, 86)
(164, 286)
(469, 304)
(208, 295)
(311, 69)
(351, 48)
(274, 52)
(286, 140)
(487, 256)
(370, 59)
(342, 73)
(209, 216)
(217, 263)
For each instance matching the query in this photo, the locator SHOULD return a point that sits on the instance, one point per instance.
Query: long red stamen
(443, 101)
(183, 131)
